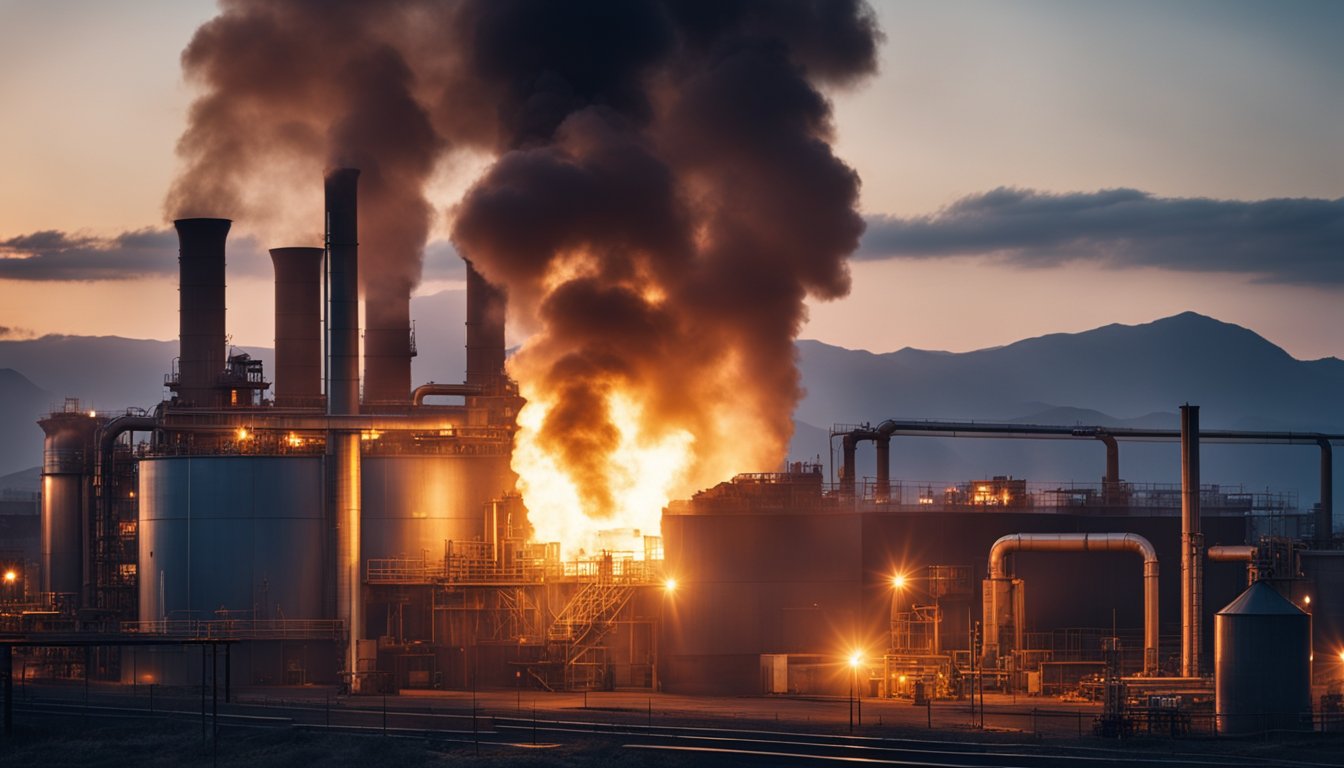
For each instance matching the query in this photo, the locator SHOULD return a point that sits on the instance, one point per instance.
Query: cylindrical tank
(1262, 663)
(67, 463)
(298, 326)
(414, 505)
(231, 533)
(1324, 572)
(201, 309)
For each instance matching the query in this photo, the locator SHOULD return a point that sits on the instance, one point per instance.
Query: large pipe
(1325, 515)
(443, 390)
(343, 399)
(848, 444)
(1238, 553)
(485, 331)
(1110, 484)
(1083, 542)
(1192, 564)
(200, 335)
(298, 326)
(882, 494)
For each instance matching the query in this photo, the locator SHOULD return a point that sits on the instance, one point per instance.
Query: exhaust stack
(1192, 543)
(298, 326)
(485, 331)
(200, 311)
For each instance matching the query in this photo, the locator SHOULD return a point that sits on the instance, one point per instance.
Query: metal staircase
(576, 658)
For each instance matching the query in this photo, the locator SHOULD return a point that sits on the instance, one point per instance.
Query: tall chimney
(485, 331)
(200, 310)
(343, 398)
(387, 348)
(298, 326)
(343, 272)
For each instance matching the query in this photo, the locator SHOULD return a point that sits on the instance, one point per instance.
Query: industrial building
(373, 537)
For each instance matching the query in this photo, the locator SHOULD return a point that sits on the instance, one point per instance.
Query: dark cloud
(52, 255)
(1295, 240)
(15, 332)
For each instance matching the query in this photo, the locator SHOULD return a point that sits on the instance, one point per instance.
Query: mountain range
(1116, 375)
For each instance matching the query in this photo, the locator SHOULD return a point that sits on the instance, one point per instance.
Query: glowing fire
(643, 474)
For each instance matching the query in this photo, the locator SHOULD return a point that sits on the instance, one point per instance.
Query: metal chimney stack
(298, 326)
(485, 331)
(387, 348)
(343, 399)
(343, 273)
(1192, 544)
(201, 310)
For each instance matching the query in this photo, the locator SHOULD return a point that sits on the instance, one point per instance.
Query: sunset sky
(1027, 167)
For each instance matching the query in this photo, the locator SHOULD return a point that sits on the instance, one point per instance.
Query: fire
(643, 474)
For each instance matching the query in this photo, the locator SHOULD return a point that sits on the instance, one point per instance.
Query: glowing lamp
(855, 659)
(242, 433)
(670, 585)
(898, 581)
(10, 576)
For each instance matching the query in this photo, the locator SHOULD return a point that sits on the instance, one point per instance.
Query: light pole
(854, 660)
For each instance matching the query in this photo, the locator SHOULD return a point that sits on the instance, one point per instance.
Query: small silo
(1262, 663)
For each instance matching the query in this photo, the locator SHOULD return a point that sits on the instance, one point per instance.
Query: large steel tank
(1324, 572)
(1262, 663)
(67, 463)
(413, 505)
(231, 533)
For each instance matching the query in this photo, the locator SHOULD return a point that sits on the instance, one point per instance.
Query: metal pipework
(1084, 542)
(200, 310)
(1325, 513)
(298, 326)
(1242, 553)
(1110, 484)
(1192, 564)
(444, 390)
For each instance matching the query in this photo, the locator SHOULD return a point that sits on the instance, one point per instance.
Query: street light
(855, 659)
(670, 585)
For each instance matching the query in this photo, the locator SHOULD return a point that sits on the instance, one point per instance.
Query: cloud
(53, 255)
(442, 262)
(1289, 240)
(14, 332)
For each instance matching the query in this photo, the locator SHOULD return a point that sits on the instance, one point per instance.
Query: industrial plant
(372, 537)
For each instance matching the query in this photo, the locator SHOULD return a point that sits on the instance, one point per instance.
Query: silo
(413, 505)
(67, 462)
(231, 535)
(1262, 663)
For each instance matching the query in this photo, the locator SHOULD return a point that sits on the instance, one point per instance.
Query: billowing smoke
(663, 198)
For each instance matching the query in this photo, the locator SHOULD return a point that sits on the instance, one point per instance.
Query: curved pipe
(443, 390)
(1084, 542)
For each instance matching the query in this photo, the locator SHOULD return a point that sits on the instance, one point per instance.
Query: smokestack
(343, 398)
(1325, 515)
(485, 331)
(343, 272)
(1192, 580)
(298, 326)
(387, 349)
(200, 310)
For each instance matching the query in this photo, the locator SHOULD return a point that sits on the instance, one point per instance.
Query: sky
(1028, 168)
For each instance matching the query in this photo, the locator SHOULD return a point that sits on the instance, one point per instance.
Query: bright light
(243, 434)
(898, 581)
(10, 576)
(93, 414)
(1341, 655)
(670, 585)
(294, 440)
(1306, 600)
(855, 659)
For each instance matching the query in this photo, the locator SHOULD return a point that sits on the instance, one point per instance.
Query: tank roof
(1260, 599)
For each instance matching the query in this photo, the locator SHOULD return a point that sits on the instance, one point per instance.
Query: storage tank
(1324, 573)
(413, 505)
(67, 463)
(1262, 663)
(231, 533)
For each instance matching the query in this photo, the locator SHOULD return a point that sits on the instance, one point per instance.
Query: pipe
(1110, 484)
(201, 339)
(1231, 554)
(1192, 580)
(298, 326)
(882, 494)
(445, 390)
(1083, 542)
(1325, 512)
(485, 331)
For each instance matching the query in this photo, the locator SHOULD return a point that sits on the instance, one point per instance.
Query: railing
(238, 629)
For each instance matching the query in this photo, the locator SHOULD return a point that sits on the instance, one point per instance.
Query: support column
(883, 491)
(1192, 580)
(1325, 513)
